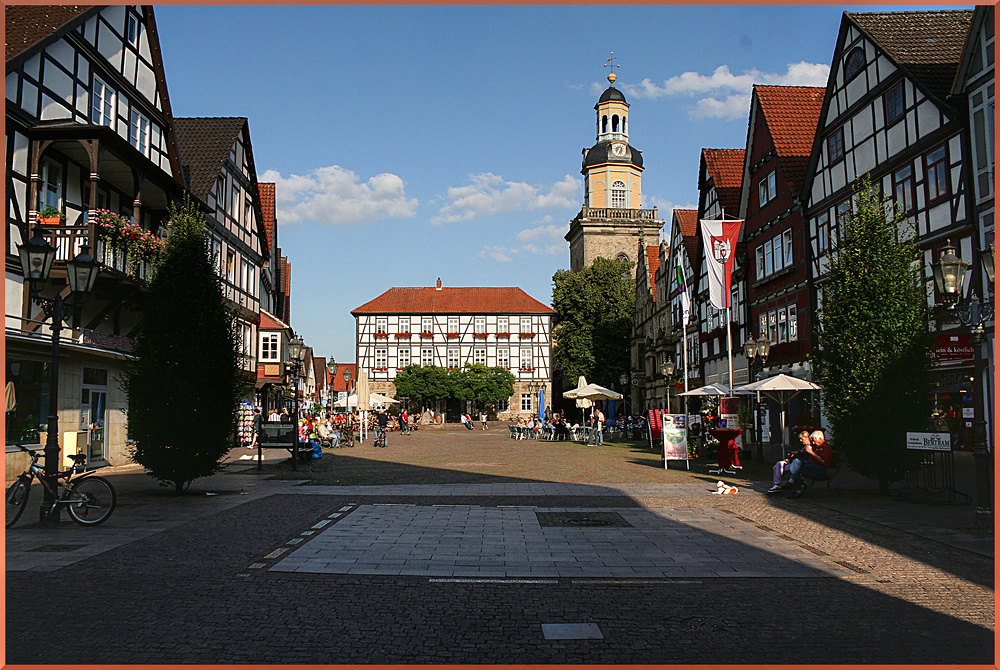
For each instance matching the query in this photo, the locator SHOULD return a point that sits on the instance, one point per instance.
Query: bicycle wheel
(17, 500)
(349, 440)
(90, 501)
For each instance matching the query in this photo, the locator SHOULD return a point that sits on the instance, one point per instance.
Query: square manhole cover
(59, 547)
(581, 520)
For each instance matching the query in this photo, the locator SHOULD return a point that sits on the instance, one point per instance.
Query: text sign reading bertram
(929, 441)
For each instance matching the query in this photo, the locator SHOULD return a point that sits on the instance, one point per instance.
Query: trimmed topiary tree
(185, 384)
(874, 344)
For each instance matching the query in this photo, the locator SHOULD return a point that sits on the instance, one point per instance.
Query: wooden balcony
(115, 259)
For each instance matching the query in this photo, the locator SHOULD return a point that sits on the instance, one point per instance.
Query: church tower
(612, 218)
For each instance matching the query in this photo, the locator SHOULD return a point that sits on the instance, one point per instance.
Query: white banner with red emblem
(720, 239)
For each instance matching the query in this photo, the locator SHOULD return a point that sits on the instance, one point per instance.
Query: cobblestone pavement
(266, 571)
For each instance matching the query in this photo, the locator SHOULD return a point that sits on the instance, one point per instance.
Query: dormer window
(854, 63)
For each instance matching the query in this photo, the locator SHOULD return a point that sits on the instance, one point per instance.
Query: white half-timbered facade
(451, 327)
(685, 245)
(217, 158)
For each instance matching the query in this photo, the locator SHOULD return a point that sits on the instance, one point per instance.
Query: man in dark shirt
(819, 458)
(383, 422)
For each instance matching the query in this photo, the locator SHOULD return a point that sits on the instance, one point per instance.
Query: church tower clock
(612, 218)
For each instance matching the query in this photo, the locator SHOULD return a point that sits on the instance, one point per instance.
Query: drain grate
(851, 566)
(581, 520)
(59, 547)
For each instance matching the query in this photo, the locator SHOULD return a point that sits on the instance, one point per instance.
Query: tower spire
(610, 62)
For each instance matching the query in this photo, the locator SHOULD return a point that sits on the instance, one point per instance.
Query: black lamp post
(331, 367)
(754, 350)
(668, 374)
(37, 257)
(347, 391)
(949, 275)
(296, 354)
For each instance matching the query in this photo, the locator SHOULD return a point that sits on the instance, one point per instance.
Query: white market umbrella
(592, 392)
(781, 389)
(362, 391)
(582, 403)
(379, 399)
(718, 389)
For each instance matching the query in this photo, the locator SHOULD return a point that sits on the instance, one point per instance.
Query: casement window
(779, 253)
(102, 108)
(618, 195)
(936, 170)
(50, 194)
(454, 360)
(452, 324)
(767, 188)
(503, 324)
(231, 267)
(269, 347)
(132, 29)
(503, 405)
(525, 402)
(854, 63)
(247, 215)
(763, 325)
(842, 212)
(786, 237)
(139, 133)
(235, 203)
(381, 324)
(759, 254)
(381, 357)
(822, 232)
(220, 193)
(793, 325)
(426, 357)
(768, 257)
(893, 104)
(526, 324)
(902, 188)
(479, 324)
(835, 145)
(404, 357)
(503, 358)
(404, 324)
(782, 326)
(479, 356)
(526, 361)
(772, 327)
(427, 324)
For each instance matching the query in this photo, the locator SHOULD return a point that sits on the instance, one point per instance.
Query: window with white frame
(269, 349)
(454, 359)
(426, 357)
(404, 324)
(139, 133)
(231, 267)
(427, 324)
(503, 405)
(235, 203)
(525, 402)
(452, 324)
(503, 324)
(823, 232)
(767, 188)
(247, 218)
(772, 327)
(132, 30)
(763, 325)
(220, 192)
(525, 324)
(618, 195)
(526, 359)
(479, 356)
(381, 324)
(102, 109)
(769, 257)
(479, 324)
(759, 255)
(503, 358)
(793, 326)
(381, 357)
(937, 174)
(404, 357)
(782, 326)
(786, 238)
(51, 190)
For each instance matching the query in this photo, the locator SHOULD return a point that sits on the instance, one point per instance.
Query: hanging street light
(37, 257)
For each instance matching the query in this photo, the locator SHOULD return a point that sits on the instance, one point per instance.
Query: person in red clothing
(819, 456)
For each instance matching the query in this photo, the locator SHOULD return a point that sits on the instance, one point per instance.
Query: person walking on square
(258, 422)
(599, 424)
(482, 420)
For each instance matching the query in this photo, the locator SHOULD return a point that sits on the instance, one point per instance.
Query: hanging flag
(720, 239)
(682, 288)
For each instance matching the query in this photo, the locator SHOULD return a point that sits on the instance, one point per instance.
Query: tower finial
(609, 62)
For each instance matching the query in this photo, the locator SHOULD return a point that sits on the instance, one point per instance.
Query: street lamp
(37, 257)
(347, 391)
(949, 275)
(668, 374)
(331, 367)
(755, 349)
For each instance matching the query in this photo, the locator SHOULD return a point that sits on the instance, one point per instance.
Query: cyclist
(382, 423)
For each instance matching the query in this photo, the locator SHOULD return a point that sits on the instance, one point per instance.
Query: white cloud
(545, 239)
(498, 253)
(488, 194)
(723, 94)
(335, 195)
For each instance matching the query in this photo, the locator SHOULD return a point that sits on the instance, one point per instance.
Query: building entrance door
(94, 412)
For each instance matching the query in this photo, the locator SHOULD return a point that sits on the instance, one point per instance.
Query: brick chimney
(439, 284)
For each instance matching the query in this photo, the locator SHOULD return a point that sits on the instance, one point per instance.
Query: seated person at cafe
(820, 456)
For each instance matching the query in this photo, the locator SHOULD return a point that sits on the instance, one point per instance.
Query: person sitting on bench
(781, 467)
(820, 457)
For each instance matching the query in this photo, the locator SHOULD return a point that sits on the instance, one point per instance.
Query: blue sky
(411, 143)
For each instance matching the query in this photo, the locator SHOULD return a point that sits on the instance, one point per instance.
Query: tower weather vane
(609, 62)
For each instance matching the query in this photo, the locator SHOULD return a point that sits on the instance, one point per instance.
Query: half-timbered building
(449, 327)
(217, 160)
(649, 351)
(886, 113)
(684, 256)
(89, 128)
(720, 179)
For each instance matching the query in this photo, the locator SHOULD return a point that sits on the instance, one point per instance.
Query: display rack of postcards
(245, 428)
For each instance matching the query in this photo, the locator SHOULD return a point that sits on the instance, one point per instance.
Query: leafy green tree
(185, 384)
(423, 383)
(593, 318)
(873, 356)
(481, 384)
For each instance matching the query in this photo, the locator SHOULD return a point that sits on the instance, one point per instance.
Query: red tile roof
(687, 221)
(652, 265)
(270, 322)
(29, 25)
(725, 168)
(453, 300)
(792, 114)
(267, 210)
(338, 379)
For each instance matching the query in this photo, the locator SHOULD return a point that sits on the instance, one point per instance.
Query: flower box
(49, 220)
(380, 369)
(400, 336)
(381, 335)
(527, 369)
(503, 334)
(481, 336)
(452, 335)
(525, 336)
(400, 368)
(426, 334)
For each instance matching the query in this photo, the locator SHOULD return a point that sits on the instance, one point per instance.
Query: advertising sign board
(929, 441)
(675, 446)
(277, 435)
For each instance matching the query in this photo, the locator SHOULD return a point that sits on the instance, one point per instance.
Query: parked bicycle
(380, 436)
(89, 499)
(347, 436)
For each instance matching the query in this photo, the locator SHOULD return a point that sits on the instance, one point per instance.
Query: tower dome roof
(602, 153)
(612, 93)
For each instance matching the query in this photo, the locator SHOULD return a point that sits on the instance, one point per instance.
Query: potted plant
(50, 216)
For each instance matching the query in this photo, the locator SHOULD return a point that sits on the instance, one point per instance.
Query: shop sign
(952, 349)
(675, 447)
(929, 441)
(274, 434)
(116, 342)
(272, 370)
(729, 413)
